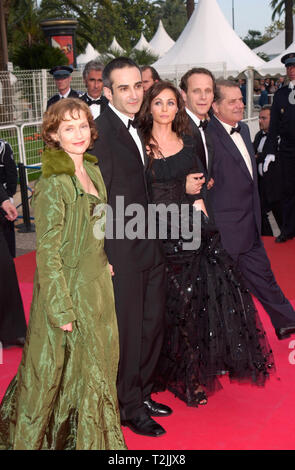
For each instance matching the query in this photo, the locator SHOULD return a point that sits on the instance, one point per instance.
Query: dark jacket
(234, 196)
(8, 171)
(124, 175)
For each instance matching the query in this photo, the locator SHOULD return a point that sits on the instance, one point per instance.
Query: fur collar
(57, 162)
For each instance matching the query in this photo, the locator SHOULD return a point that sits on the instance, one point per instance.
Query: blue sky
(248, 14)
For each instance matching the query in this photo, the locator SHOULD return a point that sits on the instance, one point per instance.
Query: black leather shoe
(156, 409)
(144, 425)
(285, 332)
(282, 238)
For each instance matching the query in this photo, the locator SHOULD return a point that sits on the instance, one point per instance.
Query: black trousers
(256, 269)
(140, 305)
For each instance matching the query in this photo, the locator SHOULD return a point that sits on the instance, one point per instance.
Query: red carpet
(239, 417)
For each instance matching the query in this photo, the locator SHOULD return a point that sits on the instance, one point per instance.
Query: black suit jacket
(124, 175)
(199, 144)
(234, 196)
(55, 98)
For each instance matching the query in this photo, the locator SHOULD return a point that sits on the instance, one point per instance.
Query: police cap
(288, 59)
(61, 71)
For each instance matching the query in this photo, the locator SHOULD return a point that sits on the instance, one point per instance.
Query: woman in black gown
(12, 318)
(212, 325)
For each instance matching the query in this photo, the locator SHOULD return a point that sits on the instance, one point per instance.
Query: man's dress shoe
(144, 425)
(285, 331)
(282, 238)
(156, 409)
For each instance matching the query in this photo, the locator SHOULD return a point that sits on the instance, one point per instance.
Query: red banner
(65, 43)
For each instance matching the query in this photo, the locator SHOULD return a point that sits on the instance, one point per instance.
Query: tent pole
(250, 88)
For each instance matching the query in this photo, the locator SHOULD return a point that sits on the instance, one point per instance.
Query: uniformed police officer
(282, 125)
(62, 75)
(8, 178)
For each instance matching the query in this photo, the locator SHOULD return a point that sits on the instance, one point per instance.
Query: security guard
(8, 178)
(62, 75)
(282, 125)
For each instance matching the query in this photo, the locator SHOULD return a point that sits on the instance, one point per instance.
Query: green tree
(253, 39)
(38, 56)
(174, 16)
(286, 7)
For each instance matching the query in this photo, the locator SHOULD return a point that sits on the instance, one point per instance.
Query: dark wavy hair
(55, 115)
(180, 125)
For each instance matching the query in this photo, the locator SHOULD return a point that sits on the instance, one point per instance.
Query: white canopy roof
(275, 46)
(115, 46)
(208, 40)
(275, 66)
(144, 45)
(161, 41)
(89, 54)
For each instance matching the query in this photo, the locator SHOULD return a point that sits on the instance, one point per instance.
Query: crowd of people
(115, 319)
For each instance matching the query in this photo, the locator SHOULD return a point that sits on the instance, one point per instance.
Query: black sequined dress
(212, 325)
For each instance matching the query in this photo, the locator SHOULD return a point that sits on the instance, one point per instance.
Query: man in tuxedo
(139, 274)
(198, 89)
(62, 75)
(236, 205)
(268, 176)
(149, 77)
(92, 76)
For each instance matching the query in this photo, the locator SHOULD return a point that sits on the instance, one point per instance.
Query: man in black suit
(139, 274)
(268, 176)
(197, 89)
(92, 75)
(8, 177)
(282, 124)
(62, 75)
(236, 204)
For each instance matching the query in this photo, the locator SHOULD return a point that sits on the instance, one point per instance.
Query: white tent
(161, 41)
(275, 46)
(144, 45)
(208, 40)
(115, 46)
(275, 66)
(89, 54)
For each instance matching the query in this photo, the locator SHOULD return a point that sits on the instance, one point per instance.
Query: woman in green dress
(64, 394)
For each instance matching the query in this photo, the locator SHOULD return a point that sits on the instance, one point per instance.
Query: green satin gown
(64, 394)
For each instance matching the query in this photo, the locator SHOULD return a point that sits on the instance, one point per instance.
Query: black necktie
(203, 124)
(90, 101)
(235, 129)
(131, 123)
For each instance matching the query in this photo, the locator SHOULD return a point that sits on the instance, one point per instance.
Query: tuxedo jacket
(199, 144)
(124, 175)
(234, 196)
(55, 98)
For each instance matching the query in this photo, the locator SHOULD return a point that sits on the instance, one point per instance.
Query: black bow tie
(235, 129)
(131, 123)
(90, 101)
(203, 124)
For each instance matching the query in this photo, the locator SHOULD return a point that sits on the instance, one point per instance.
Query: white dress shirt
(239, 141)
(66, 95)
(197, 122)
(94, 108)
(133, 132)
